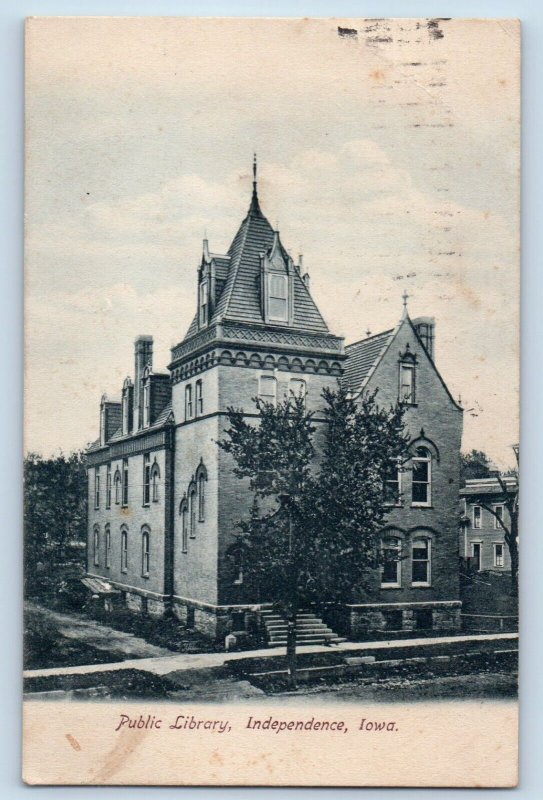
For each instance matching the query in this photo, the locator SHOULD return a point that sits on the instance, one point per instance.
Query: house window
(267, 389)
(124, 550)
(192, 510)
(145, 554)
(407, 383)
(421, 564)
(498, 554)
(117, 482)
(125, 483)
(199, 399)
(393, 486)
(155, 476)
(277, 297)
(97, 487)
(476, 553)
(204, 303)
(147, 403)
(297, 387)
(184, 528)
(476, 516)
(108, 546)
(201, 498)
(422, 477)
(96, 546)
(188, 401)
(108, 486)
(391, 568)
(146, 479)
(498, 517)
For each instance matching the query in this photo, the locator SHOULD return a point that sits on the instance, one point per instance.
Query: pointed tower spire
(255, 206)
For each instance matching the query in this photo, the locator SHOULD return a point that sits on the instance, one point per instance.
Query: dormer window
(147, 402)
(204, 303)
(278, 297)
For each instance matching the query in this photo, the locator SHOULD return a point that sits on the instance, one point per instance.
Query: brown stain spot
(486, 214)
(73, 742)
(377, 75)
(216, 758)
(126, 744)
(502, 82)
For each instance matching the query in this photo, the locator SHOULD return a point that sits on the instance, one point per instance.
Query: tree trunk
(291, 651)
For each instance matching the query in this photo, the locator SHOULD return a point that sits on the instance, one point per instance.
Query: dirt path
(97, 635)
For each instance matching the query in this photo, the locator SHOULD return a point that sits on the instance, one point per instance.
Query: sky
(388, 156)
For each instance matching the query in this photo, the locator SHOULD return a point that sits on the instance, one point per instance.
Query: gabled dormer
(277, 284)
(212, 275)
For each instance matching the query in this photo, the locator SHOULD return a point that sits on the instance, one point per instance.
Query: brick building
(482, 539)
(163, 499)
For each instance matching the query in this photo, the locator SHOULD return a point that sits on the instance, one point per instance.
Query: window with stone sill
(146, 479)
(108, 547)
(421, 564)
(278, 297)
(96, 546)
(406, 392)
(124, 550)
(391, 569)
(421, 481)
(97, 487)
(108, 486)
(145, 554)
(267, 389)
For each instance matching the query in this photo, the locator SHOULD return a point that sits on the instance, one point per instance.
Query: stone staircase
(309, 629)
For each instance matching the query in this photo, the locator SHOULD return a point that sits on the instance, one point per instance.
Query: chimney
(425, 328)
(143, 355)
(305, 279)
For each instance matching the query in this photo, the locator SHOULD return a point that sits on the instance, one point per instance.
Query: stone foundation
(134, 602)
(365, 619)
(216, 622)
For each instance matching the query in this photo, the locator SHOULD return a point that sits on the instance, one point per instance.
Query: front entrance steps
(309, 629)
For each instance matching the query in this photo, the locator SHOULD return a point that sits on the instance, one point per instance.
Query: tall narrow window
(498, 518)
(204, 303)
(108, 486)
(277, 297)
(146, 479)
(192, 511)
(155, 476)
(145, 554)
(117, 483)
(498, 554)
(97, 487)
(476, 554)
(267, 389)
(184, 528)
(125, 483)
(422, 477)
(125, 412)
(96, 546)
(407, 383)
(147, 402)
(201, 498)
(391, 568)
(124, 550)
(188, 401)
(393, 485)
(199, 399)
(476, 516)
(421, 564)
(298, 388)
(108, 546)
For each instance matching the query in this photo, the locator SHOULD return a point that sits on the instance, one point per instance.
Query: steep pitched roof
(240, 299)
(362, 357)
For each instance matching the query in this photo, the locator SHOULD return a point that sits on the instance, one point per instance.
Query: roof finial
(368, 333)
(254, 200)
(404, 298)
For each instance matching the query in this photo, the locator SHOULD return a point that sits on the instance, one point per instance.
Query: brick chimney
(425, 327)
(143, 355)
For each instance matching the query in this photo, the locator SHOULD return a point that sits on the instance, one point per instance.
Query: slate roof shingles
(361, 357)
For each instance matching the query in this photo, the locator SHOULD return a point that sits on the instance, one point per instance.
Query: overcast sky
(389, 157)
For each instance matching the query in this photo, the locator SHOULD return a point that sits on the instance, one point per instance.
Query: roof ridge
(230, 282)
(369, 338)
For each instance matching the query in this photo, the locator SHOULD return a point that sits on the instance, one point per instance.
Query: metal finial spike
(404, 297)
(254, 167)
(368, 332)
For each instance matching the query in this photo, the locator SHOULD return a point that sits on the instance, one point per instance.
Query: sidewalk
(162, 665)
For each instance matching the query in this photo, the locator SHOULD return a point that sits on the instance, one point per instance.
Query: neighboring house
(482, 536)
(163, 498)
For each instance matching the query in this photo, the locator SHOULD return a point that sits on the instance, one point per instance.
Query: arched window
(201, 498)
(124, 502)
(199, 399)
(108, 486)
(393, 484)
(188, 401)
(421, 561)
(117, 484)
(391, 570)
(108, 546)
(146, 479)
(96, 545)
(124, 549)
(204, 303)
(184, 512)
(422, 477)
(155, 478)
(267, 389)
(145, 544)
(97, 487)
(126, 409)
(192, 511)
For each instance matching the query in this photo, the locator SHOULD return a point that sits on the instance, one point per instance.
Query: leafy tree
(314, 526)
(55, 510)
(474, 464)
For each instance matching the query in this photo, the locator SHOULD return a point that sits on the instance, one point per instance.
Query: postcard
(271, 401)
